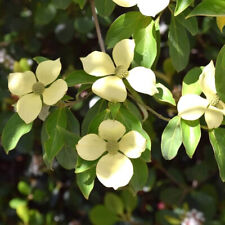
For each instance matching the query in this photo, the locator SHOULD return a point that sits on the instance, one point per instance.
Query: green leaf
(132, 123)
(179, 46)
(61, 4)
(191, 24)
(40, 59)
(23, 213)
(17, 202)
(114, 203)
(14, 129)
(209, 8)
(83, 24)
(85, 181)
(217, 140)
(100, 215)
(181, 5)
(24, 188)
(114, 108)
(171, 138)
(83, 165)
(219, 74)
(164, 94)
(190, 83)
(140, 175)
(145, 45)
(67, 157)
(55, 140)
(129, 200)
(104, 7)
(124, 26)
(92, 113)
(79, 77)
(44, 14)
(191, 132)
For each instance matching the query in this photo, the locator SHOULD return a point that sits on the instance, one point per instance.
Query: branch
(97, 27)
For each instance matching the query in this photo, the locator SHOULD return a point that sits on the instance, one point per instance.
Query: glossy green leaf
(100, 106)
(191, 24)
(181, 5)
(191, 133)
(219, 76)
(124, 26)
(171, 138)
(190, 83)
(67, 157)
(145, 45)
(85, 181)
(14, 129)
(79, 77)
(100, 215)
(140, 175)
(217, 140)
(83, 165)
(164, 94)
(132, 123)
(179, 46)
(209, 8)
(114, 203)
(55, 140)
(114, 108)
(39, 59)
(105, 7)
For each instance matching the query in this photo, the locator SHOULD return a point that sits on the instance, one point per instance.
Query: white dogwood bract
(111, 87)
(30, 88)
(146, 7)
(114, 169)
(192, 107)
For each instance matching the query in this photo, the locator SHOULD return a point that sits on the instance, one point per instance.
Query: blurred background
(182, 191)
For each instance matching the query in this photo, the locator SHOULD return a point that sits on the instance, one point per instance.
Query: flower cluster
(146, 7)
(112, 87)
(193, 217)
(33, 90)
(113, 149)
(192, 106)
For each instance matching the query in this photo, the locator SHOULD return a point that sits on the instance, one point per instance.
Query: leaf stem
(97, 27)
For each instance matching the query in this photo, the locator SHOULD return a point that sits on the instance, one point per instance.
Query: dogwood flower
(32, 90)
(112, 87)
(114, 169)
(192, 107)
(146, 7)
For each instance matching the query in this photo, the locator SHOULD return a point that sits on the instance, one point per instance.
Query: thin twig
(97, 27)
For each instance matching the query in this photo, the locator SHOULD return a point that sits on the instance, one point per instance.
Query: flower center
(112, 147)
(213, 100)
(121, 72)
(38, 88)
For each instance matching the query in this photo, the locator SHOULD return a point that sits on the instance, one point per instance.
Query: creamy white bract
(114, 169)
(33, 89)
(146, 7)
(112, 87)
(192, 107)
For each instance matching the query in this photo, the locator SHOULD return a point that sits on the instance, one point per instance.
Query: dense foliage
(105, 94)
